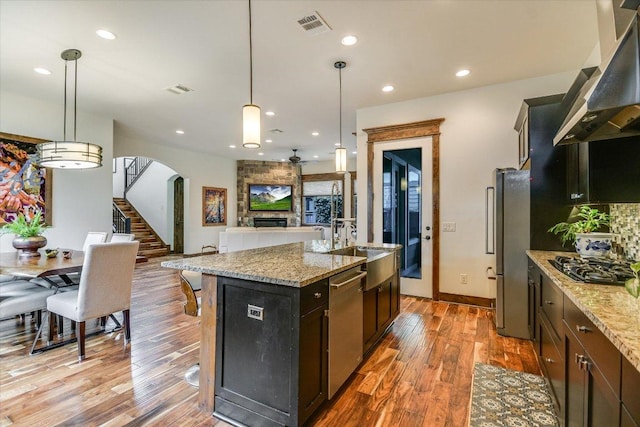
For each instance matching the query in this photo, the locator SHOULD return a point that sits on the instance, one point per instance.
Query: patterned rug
(502, 397)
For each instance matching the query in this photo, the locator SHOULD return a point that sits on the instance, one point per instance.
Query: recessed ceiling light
(42, 71)
(232, 146)
(349, 40)
(270, 113)
(315, 156)
(268, 140)
(315, 133)
(283, 160)
(354, 152)
(337, 144)
(463, 73)
(261, 154)
(180, 132)
(387, 88)
(105, 34)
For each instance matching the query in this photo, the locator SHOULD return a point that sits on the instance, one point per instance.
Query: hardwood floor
(419, 375)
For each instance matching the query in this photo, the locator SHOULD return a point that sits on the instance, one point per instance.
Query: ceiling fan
(295, 159)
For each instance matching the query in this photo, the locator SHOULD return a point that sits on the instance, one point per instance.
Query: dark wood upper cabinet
(604, 171)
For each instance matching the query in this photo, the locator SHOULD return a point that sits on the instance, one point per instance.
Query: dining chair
(104, 289)
(20, 297)
(67, 282)
(190, 283)
(94, 237)
(122, 237)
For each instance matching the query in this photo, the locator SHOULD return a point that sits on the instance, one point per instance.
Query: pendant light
(250, 112)
(341, 152)
(72, 154)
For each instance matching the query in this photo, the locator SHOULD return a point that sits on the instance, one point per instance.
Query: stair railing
(133, 171)
(121, 223)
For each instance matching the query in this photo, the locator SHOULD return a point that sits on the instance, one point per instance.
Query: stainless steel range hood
(607, 104)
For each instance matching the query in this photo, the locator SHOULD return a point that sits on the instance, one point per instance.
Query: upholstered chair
(104, 289)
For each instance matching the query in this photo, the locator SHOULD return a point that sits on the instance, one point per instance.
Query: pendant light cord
(340, 85)
(75, 97)
(250, 59)
(64, 113)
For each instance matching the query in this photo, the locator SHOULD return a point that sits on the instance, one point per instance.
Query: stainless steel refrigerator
(512, 230)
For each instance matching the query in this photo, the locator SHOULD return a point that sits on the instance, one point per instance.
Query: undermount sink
(380, 264)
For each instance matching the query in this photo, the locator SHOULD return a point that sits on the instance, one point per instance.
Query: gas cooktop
(598, 270)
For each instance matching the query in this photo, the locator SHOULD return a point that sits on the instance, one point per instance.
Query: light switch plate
(449, 226)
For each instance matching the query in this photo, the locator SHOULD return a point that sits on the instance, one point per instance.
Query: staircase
(150, 244)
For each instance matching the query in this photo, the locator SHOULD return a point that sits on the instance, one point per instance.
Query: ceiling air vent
(179, 89)
(275, 131)
(313, 24)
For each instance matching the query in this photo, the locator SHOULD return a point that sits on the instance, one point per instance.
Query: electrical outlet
(449, 227)
(463, 278)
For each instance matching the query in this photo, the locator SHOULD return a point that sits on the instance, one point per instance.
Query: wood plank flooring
(419, 375)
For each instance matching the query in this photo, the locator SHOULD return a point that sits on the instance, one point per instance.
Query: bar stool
(190, 283)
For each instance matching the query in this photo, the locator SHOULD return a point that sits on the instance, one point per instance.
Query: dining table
(12, 264)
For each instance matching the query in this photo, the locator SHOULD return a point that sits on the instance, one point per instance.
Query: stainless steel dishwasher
(345, 326)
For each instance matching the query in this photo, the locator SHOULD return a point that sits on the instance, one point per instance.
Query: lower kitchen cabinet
(552, 364)
(592, 383)
(271, 352)
(380, 306)
(590, 400)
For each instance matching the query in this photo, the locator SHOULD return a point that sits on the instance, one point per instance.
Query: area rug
(502, 397)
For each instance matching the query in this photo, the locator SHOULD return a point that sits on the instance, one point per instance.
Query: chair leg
(35, 340)
(60, 325)
(38, 318)
(80, 335)
(52, 319)
(127, 326)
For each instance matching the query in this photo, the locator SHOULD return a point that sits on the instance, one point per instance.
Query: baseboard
(466, 299)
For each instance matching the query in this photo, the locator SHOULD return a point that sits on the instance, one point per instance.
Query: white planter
(593, 244)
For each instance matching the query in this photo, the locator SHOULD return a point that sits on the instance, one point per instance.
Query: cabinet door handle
(317, 295)
(549, 360)
(579, 358)
(584, 365)
(548, 302)
(582, 329)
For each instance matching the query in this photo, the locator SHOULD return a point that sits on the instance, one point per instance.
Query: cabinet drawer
(551, 303)
(314, 295)
(552, 363)
(630, 394)
(601, 351)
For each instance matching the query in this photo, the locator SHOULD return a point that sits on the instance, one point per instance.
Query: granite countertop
(610, 308)
(293, 264)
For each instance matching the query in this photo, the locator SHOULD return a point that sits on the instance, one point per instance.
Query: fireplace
(269, 222)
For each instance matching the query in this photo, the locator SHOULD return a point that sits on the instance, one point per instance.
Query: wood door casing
(405, 131)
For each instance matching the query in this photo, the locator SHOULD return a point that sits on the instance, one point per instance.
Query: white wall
(198, 170)
(81, 198)
(118, 178)
(477, 137)
(148, 196)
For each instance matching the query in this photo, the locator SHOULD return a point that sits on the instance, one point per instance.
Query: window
(316, 198)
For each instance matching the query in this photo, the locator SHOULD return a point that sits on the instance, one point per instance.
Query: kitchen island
(588, 342)
(264, 330)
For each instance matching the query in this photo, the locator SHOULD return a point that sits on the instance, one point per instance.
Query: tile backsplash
(625, 223)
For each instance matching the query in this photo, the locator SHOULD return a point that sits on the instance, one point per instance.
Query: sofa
(240, 238)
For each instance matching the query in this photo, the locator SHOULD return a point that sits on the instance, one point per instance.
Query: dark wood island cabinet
(271, 352)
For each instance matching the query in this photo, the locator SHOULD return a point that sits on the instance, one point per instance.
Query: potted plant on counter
(582, 232)
(28, 233)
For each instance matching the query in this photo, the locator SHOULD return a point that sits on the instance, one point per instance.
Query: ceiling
(416, 46)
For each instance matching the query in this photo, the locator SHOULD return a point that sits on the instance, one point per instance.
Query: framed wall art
(25, 187)
(214, 206)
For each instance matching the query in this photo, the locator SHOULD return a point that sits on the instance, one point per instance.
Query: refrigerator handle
(500, 302)
(490, 221)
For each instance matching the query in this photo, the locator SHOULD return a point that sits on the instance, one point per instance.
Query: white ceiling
(415, 45)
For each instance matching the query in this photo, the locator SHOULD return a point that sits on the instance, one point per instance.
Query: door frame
(396, 132)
